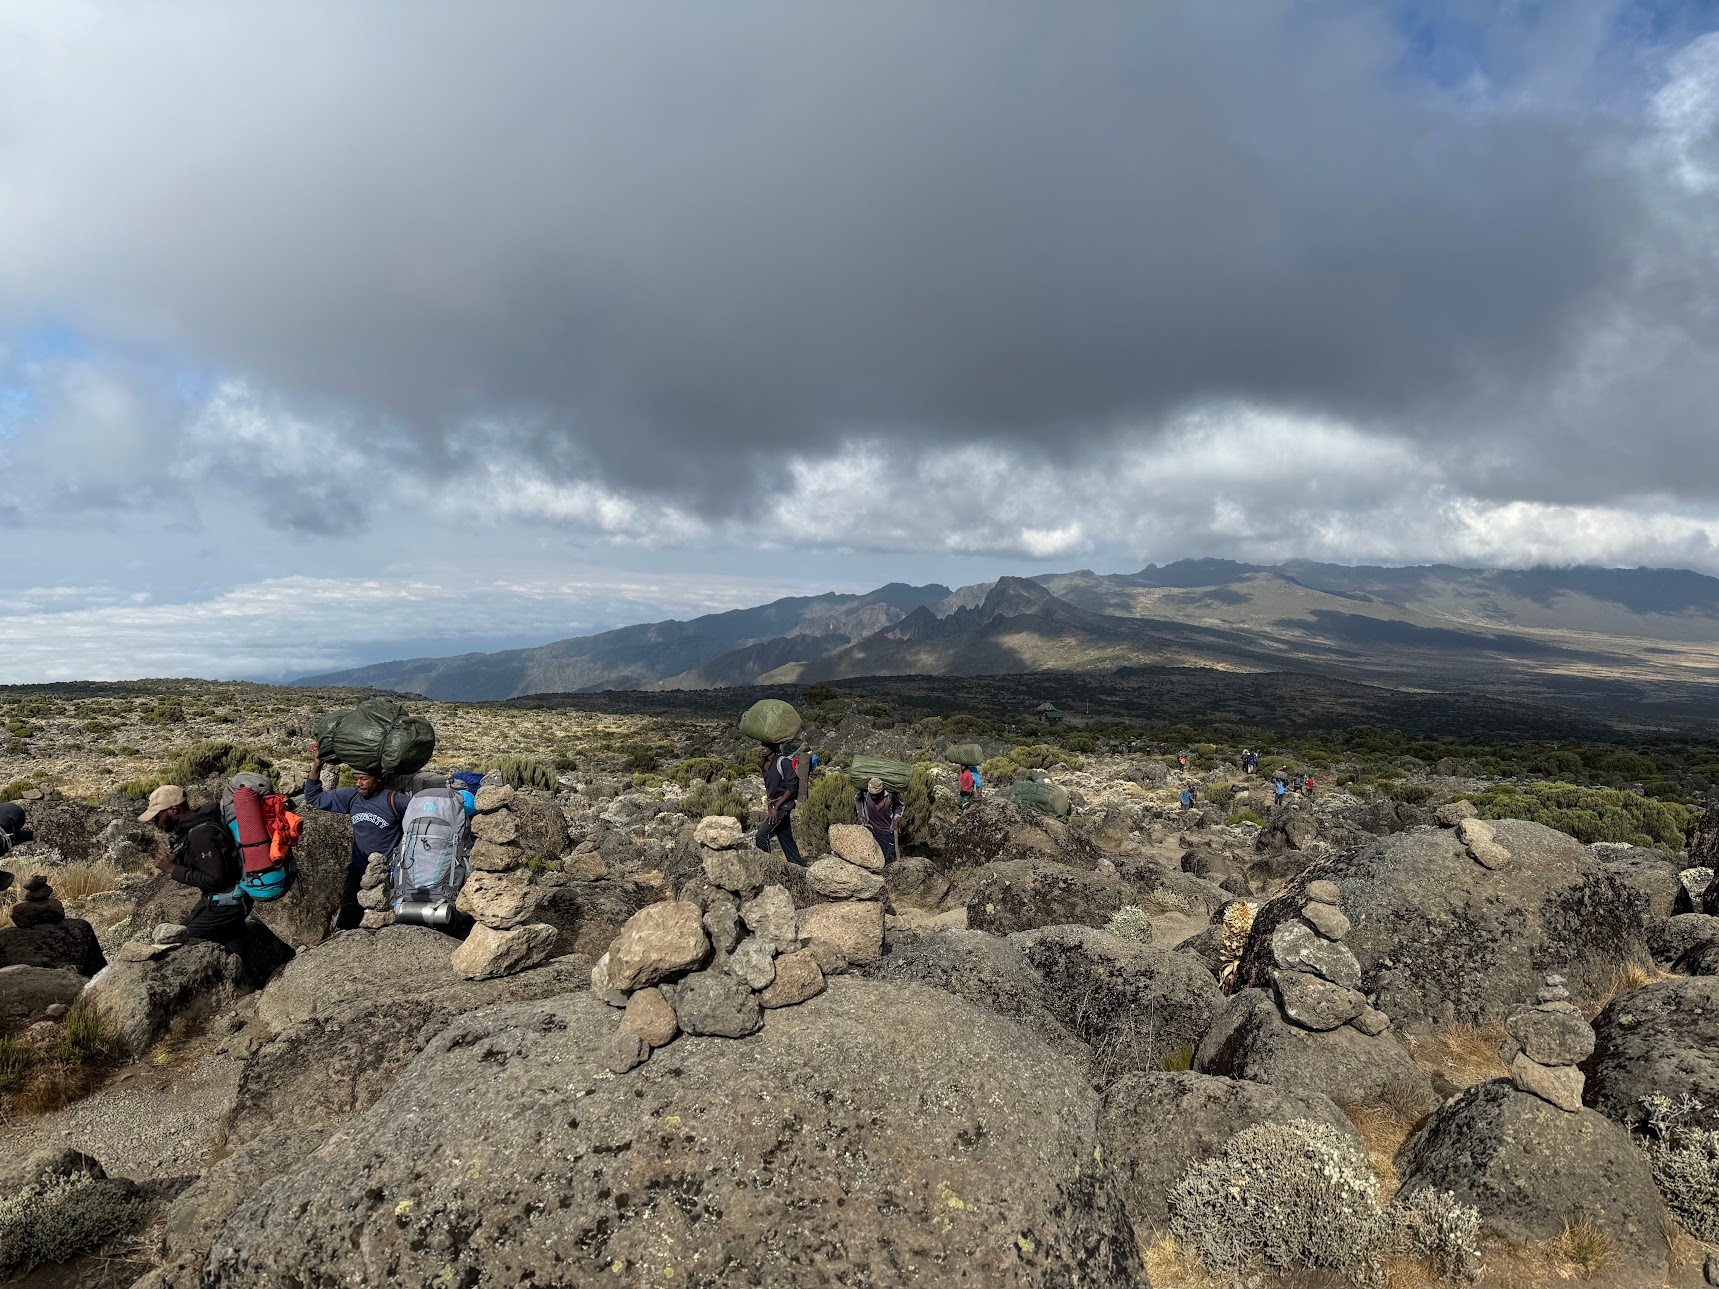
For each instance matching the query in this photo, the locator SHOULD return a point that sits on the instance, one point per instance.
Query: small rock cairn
(497, 895)
(713, 965)
(1547, 1041)
(36, 904)
(1316, 978)
(1475, 834)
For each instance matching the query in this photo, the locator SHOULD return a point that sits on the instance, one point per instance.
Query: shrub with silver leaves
(1684, 1162)
(1440, 1230)
(1296, 1194)
(1131, 922)
(62, 1217)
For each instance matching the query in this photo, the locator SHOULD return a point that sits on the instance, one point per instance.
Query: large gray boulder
(71, 944)
(1018, 895)
(586, 915)
(1650, 873)
(1133, 1004)
(141, 999)
(867, 1134)
(26, 992)
(1251, 1040)
(1532, 1169)
(1158, 1125)
(986, 970)
(1441, 938)
(1683, 936)
(1662, 1038)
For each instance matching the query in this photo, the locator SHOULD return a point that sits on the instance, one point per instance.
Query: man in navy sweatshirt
(376, 814)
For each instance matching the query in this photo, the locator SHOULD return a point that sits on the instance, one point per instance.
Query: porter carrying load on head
(378, 737)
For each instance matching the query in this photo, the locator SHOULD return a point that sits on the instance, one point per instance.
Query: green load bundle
(964, 753)
(1041, 795)
(770, 720)
(893, 773)
(377, 737)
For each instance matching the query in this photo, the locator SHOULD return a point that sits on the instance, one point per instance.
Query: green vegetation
(526, 772)
(1590, 814)
(718, 797)
(164, 711)
(704, 769)
(1000, 771)
(1131, 922)
(214, 757)
(37, 1077)
(830, 800)
(916, 822)
(1685, 1163)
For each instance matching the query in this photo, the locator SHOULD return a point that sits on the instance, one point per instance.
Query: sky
(333, 333)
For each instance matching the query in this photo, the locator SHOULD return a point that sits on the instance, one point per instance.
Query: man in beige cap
(198, 850)
(880, 808)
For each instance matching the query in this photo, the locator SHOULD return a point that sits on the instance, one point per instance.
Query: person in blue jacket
(376, 812)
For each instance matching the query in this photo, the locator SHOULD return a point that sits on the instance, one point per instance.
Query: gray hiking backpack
(431, 862)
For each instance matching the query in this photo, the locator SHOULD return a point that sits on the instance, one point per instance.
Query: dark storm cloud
(660, 242)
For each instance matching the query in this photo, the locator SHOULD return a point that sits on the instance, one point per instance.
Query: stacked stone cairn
(715, 960)
(1316, 978)
(1475, 834)
(36, 904)
(1548, 1040)
(374, 894)
(496, 895)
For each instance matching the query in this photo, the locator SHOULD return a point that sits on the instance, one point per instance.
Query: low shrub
(1591, 814)
(704, 769)
(1246, 816)
(208, 758)
(719, 797)
(526, 772)
(37, 1077)
(644, 760)
(1684, 1162)
(61, 1217)
(1131, 922)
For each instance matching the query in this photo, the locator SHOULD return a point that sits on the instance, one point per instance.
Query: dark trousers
(779, 826)
(350, 914)
(885, 840)
(224, 924)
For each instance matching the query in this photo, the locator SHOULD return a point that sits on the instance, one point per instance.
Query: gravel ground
(145, 1122)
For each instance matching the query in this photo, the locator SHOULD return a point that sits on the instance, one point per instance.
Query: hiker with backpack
(1187, 798)
(198, 850)
(968, 782)
(1279, 789)
(781, 794)
(376, 811)
(880, 809)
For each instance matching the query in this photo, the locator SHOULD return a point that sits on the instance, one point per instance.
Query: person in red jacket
(969, 785)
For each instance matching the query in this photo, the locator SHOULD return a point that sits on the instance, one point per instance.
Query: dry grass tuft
(78, 881)
(1461, 1053)
(1627, 979)
(38, 1077)
(1383, 1129)
(1687, 1253)
(1171, 1264)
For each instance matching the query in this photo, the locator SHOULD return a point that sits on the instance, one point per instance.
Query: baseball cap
(165, 797)
(874, 786)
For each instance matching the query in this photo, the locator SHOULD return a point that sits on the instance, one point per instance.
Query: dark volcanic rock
(1020, 895)
(1441, 938)
(1663, 1038)
(71, 944)
(710, 1161)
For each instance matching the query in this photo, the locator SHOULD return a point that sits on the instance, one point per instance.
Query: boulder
(1132, 1004)
(1157, 1125)
(357, 967)
(753, 962)
(659, 941)
(715, 1003)
(986, 970)
(140, 999)
(493, 857)
(488, 952)
(1440, 939)
(1251, 1040)
(853, 926)
(1327, 919)
(500, 901)
(587, 914)
(798, 978)
(771, 917)
(27, 992)
(1671, 939)
(1296, 946)
(915, 882)
(1018, 895)
(70, 945)
(1662, 1038)
(740, 869)
(836, 879)
(492, 797)
(1531, 1170)
(1551, 1037)
(719, 832)
(499, 829)
(1315, 1003)
(926, 1188)
(650, 1016)
(1650, 873)
(854, 843)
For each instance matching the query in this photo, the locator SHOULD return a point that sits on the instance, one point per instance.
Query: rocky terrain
(1399, 1031)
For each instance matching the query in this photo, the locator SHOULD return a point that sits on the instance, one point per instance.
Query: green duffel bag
(378, 737)
(770, 720)
(866, 768)
(964, 753)
(1034, 794)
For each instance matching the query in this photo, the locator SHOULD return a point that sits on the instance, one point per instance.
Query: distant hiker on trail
(197, 850)
(1279, 789)
(968, 782)
(1307, 785)
(781, 793)
(1182, 760)
(1187, 798)
(376, 812)
(880, 809)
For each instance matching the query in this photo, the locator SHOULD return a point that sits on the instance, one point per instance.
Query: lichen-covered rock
(1664, 1039)
(941, 1179)
(1532, 1170)
(915, 882)
(140, 999)
(651, 1017)
(719, 832)
(1251, 1040)
(500, 901)
(1295, 946)
(770, 916)
(1315, 1003)
(714, 1003)
(798, 978)
(541, 828)
(1018, 895)
(27, 992)
(753, 961)
(1440, 939)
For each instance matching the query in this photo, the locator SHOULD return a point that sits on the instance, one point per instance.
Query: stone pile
(733, 947)
(1475, 834)
(1316, 978)
(1548, 1040)
(36, 904)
